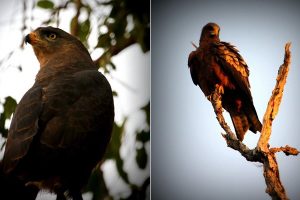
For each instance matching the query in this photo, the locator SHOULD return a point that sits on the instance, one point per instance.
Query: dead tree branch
(274, 102)
(229, 136)
(287, 150)
(262, 153)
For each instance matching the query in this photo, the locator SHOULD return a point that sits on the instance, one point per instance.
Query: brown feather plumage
(219, 63)
(63, 124)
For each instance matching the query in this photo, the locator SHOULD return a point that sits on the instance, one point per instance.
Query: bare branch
(262, 153)
(230, 137)
(271, 172)
(74, 23)
(287, 150)
(274, 101)
(112, 51)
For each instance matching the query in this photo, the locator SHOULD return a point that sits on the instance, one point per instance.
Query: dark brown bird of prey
(218, 64)
(63, 124)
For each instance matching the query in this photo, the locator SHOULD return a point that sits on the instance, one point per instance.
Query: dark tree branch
(55, 13)
(75, 23)
(229, 136)
(262, 153)
(112, 51)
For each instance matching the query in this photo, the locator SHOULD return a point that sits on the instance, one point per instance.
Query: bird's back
(74, 129)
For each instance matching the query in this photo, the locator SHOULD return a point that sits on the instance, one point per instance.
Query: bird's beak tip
(27, 39)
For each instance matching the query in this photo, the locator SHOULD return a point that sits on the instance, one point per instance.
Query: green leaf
(113, 66)
(139, 192)
(146, 40)
(9, 106)
(114, 146)
(3, 130)
(113, 150)
(116, 9)
(147, 111)
(46, 4)
(97, 186)
(119, 26)
(84, 30)
(74, 22)
(115, 93)
(104, 41)
(143, 136)
(141, 157)
(122, 173)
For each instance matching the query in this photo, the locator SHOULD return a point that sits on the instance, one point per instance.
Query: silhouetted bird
(63, 124)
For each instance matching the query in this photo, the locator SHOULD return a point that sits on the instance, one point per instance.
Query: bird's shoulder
(64, 90)
(228, 56)
(91, 77)
(74, 106)
(196, 57)
(233, 65)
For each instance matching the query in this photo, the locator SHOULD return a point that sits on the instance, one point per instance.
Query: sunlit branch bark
(287, 150)
(274, 102)
(262, 153)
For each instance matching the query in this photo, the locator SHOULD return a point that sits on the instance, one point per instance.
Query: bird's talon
(220, 89)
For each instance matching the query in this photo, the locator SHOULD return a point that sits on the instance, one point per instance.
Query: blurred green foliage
(119, 34)
(45, 4)
(9, 106)
(126, 23)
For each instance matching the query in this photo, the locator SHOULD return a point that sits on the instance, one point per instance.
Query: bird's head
(51, 43)
(210, 32)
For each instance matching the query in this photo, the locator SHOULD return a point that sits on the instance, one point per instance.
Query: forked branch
(262, 153)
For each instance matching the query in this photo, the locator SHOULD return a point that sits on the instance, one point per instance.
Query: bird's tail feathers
(240, 123)
(255, 124)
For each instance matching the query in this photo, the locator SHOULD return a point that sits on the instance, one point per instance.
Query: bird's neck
(206, 42)
(57, 67)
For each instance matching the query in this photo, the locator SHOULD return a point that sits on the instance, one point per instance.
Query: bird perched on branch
(218, 64)
(63, 124)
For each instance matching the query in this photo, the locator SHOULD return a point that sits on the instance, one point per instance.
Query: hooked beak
(27, 39)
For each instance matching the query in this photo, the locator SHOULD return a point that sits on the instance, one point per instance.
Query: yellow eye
(52, 36)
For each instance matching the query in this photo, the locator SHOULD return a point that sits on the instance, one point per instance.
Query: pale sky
(190, 159)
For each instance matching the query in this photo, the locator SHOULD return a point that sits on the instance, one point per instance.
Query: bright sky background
(131, 80)
(190, 159)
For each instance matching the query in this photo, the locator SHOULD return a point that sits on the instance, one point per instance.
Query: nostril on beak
(27, 39)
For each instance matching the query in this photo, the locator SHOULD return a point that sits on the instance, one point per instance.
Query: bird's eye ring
(51, 36)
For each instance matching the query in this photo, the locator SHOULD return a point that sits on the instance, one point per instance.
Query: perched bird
(218, 64)
(63, 124)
